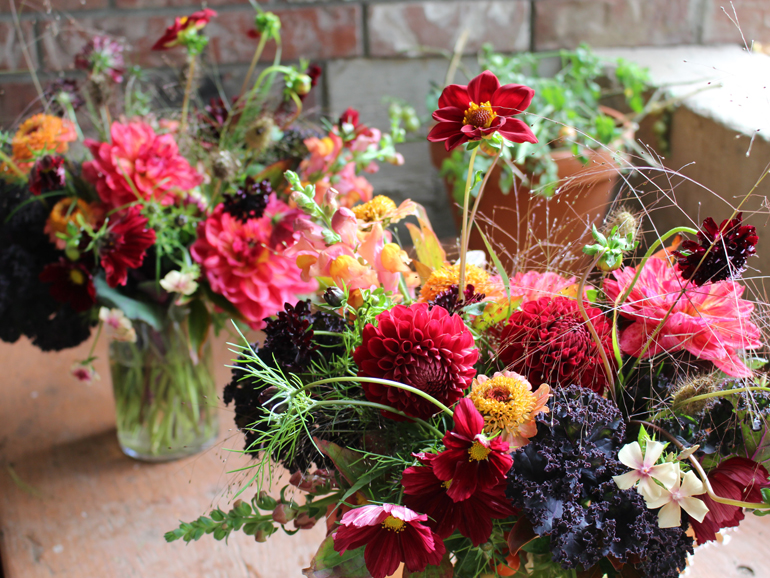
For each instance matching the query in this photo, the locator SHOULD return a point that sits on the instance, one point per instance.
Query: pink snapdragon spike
(712, 322)
(680, 496)
(644, 472)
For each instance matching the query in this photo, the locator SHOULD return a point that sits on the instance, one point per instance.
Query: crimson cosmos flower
(195, 20)
(392, 534)
(425, 492)
(471, 461)
(473, 112)
(70, 283)
(124, 246)
(738, 479)
(728, 246)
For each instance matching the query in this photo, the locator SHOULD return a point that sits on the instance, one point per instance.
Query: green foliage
(134, 309)
(609, 248)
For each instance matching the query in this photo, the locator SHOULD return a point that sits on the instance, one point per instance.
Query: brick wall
(368, 48)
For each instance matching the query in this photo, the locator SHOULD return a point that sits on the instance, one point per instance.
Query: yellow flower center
(375, 210)
(442, 279)
(479, 115)
(446, 484)
(478, 452)
(77, 277)
(505, 402)
(393, 524)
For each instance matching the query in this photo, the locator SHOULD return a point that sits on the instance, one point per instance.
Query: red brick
(11, 54)
(313, 33)
(46, 6)
(567, 23)
(404, 27)
(753, 18)
(17, 99)
(186, 6)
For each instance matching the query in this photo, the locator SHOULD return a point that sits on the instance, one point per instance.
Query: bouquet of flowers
(162, 227)
(489, 424)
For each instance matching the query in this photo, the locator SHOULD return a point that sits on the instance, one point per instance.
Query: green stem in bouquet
(13, 166)
(360, 403)
(263, 38)
(472, 218)
(464, 232)
(187, 92)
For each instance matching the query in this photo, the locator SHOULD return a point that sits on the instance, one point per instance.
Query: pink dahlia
(533, 285)
(244, 262)
(138, 165)
(712, 321)
(420, 346)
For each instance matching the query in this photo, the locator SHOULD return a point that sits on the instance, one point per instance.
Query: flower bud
(689, 388)
(266, 502)
(263, 533)
(304, 522)
(334, 296)
(284, 513)
(356, 299)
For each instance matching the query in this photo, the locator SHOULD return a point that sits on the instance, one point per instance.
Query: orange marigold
(444, 278)
(41, 132)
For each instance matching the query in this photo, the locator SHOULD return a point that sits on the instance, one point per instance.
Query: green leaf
(443, 570)
(349, 463)
(328, 563)
(132, 308)
(199, 323)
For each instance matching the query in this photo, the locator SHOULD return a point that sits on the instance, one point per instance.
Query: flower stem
(187, 93)
(723, 393)
(257, 54)
(13, 166)
(349, 402)
(476, 203)
(464, 232)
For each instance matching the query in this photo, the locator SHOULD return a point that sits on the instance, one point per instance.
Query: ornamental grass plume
(712, 322)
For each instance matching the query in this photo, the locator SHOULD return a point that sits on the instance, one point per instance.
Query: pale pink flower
(178, 282)
(644, 472)
(138, 165)
(678, 497)
(248, 264)
(712, 321)
(118, 325)
(533, 285)
(84, 372)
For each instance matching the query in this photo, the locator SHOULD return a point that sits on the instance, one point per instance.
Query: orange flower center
(479, 115)
(478, 452)
(393, 524)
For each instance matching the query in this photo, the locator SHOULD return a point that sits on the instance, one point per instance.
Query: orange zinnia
(41, 133)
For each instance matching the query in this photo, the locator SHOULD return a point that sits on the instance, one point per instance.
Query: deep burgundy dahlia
(420, 346)
(547, 341)
(721, 252)
(125, 244)
(249, 201)
(47, 174)
(448, 298)
(70, 283)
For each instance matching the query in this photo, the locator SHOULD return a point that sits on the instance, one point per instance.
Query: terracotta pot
(532, 232)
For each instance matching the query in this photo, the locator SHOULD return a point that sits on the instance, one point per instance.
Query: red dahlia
(124, 245)
(473, 112)
(425, 492)
(471, 462)
(721, 252)
(737, 479)
(426, 348)
(70, 283)
(392, 534)
(547, 341)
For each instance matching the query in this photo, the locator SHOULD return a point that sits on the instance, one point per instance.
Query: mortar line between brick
(532, 24)
(365, 29)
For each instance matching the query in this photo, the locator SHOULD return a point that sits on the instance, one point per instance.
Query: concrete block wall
(367, 48)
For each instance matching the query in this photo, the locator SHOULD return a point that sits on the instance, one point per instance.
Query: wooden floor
(71, 505)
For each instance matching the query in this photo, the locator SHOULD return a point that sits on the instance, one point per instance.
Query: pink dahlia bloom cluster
(138, 165)
(245, 261)
(532, 285)
(712, 322)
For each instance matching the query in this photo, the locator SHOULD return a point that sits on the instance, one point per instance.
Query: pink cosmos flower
(533, 285)
(138, 165)
(712, 322)
(240, 262)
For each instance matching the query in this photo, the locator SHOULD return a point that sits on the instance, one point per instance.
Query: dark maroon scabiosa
(738, 479)
(249, 201)
(391, 534)
(471, 461)
(448, 298)
(47, 174)
(62, 91)
(720, 253)
(425, 492)
(476, 111)
(426, 348)
(547, 341)
(124, 245)
(102, 56)
(70, 283)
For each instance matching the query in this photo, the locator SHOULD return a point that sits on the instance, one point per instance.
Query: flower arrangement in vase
(159, 229)
(468, 423)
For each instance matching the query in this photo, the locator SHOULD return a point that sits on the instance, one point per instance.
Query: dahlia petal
(449, 114)
(516, 130)
(444, 130)
(453, 142)
(511, 99)
(482, 87)
(454, 95)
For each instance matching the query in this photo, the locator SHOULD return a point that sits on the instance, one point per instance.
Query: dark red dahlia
(448, 298)
(392, 534)
(47, 174)
(471, 462)
(737, 479)
(425, 492)
(426, 348)
(473, 112)
(721, 252)
(125, 244)
(249, 201)
(70, 283)
(547, 341)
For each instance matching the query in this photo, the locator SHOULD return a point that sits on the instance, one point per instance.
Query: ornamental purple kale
(562, 482)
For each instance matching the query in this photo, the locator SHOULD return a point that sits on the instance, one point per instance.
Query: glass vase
(165, 393)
